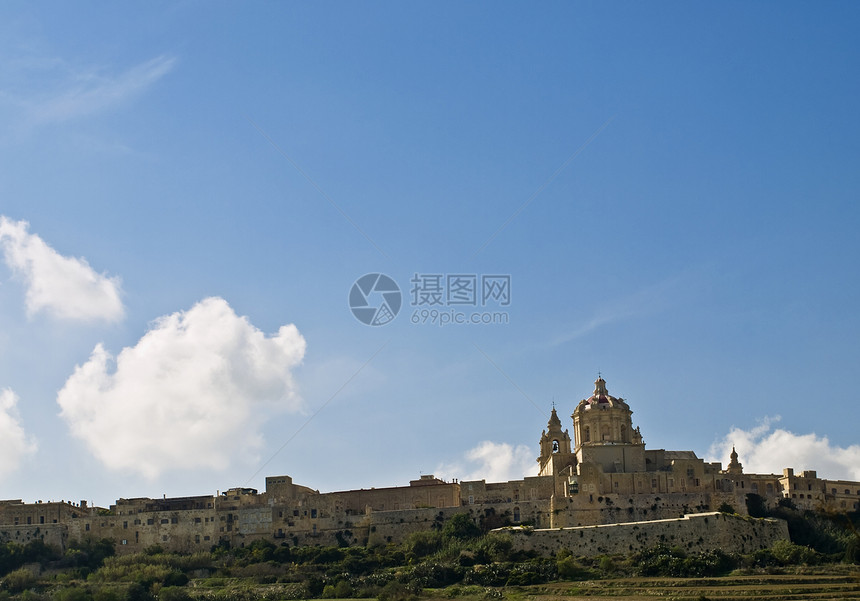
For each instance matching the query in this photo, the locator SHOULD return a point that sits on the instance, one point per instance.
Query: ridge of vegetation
(457, 561)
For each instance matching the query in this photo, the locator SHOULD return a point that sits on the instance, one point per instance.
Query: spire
(600, 386)
(735, 466)
(553, 419)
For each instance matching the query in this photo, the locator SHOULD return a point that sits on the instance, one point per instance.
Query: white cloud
(192, 393)
(14, 442)
(647, 300)
(92, 92)
(764, 449)
(493, 462)
(64, 287)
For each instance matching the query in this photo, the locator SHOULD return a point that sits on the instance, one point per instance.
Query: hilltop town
(603, 474)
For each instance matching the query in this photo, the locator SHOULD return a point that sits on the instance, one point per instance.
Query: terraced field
(841, 582)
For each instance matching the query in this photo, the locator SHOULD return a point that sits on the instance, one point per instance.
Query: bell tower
(555, 453)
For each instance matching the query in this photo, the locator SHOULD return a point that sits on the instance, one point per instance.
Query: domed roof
(601, 397)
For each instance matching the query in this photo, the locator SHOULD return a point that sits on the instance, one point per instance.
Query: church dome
(601, 398)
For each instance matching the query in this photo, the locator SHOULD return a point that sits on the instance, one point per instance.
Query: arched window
(587, 436)
(555, 446)
(605, 433)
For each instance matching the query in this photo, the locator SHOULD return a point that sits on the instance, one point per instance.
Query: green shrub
(461, 527)
(395, 591)
(19, 580)
(423, 543)
(173, 593)
(569, 568)
(107, 594)
(343, 590)
(72, 593)
(661, 561)
(787, 553)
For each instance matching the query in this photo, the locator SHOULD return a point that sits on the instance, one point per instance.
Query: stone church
(604, 474)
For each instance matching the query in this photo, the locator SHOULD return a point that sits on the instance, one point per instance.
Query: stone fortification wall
(693, 533)
(593, 509)
(52, 534)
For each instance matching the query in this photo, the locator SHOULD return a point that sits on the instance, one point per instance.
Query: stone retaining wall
(693, 533)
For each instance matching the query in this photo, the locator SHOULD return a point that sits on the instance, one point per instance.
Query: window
(125, 525)
(197, 520)
(653, 483)
(313, 513)
(165, 521)
(174, 520)
(832, 489)
(42, 518)
(555, 446)
(150, 522)
(87, 527)
(587, 435)
(471, 499)
(689, 472)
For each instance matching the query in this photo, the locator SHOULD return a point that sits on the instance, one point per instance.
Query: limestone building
(604, 474)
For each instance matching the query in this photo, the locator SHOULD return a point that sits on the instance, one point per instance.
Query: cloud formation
(14, 442)
(192, 393)
(493, 462)
(764, 449)
(92, 92)
(64, 287)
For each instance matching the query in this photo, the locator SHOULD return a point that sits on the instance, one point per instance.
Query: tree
(461, 527)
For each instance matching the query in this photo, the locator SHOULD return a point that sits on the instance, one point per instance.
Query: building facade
(604, 474)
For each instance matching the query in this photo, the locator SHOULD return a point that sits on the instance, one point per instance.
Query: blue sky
(189, 191)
